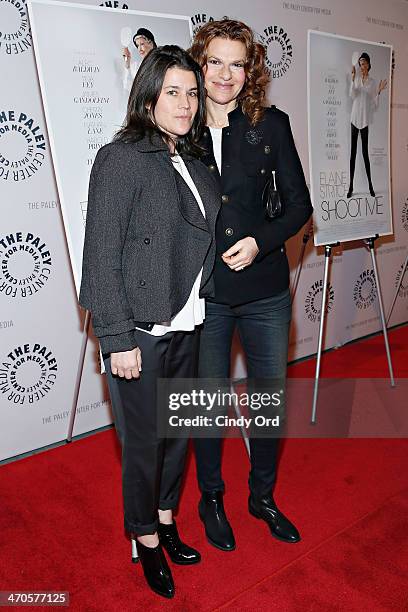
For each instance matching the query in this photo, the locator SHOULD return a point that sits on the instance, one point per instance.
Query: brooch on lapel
(253, 137)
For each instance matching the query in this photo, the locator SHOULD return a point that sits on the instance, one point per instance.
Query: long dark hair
(145, 92)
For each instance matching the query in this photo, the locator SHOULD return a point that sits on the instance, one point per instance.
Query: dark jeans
(263, 328)
(353, 153)
(152, 467)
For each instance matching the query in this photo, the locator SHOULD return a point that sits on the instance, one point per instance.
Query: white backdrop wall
(40, 323)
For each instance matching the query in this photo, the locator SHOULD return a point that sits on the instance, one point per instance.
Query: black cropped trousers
(152, 467)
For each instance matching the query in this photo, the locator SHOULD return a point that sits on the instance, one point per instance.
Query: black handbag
(271, 199)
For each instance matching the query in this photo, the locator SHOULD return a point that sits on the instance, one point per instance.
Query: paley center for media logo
(401, 281)
(365, 290)
(114, 4)
(22, 146)
(15, 35)
(25, 264)
(198, 20)
(404, 215)
(27, 373)
(279, 50)
(313, 300)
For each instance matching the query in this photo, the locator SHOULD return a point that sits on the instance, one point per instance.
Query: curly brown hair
(253, 93)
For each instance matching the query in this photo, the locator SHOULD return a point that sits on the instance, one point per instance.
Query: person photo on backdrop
(144, 42)
(147, 267)
(244, 142)
(365, 95)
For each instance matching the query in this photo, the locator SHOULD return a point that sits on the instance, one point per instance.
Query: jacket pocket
(137, 260)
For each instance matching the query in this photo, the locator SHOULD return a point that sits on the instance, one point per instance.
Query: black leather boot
(178, 551)
(217, 528)
(281, 528)
(156, 570)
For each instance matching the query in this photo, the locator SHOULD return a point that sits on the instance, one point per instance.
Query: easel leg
(327, 253)
(397, 290)
(305, 240)
(370, 243)
(79, 375)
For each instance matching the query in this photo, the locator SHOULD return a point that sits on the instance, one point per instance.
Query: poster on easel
(87, 57)
(349, 82)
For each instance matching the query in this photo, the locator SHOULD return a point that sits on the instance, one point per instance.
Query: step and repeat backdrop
(40, 322)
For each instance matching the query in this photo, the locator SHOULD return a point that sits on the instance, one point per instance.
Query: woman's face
(363, 66)
(143, 45)
(225, 70)
(178, 102)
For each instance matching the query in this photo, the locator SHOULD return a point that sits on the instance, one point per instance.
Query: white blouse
(216, 135)
(365, 97)
(193, 312)
(128, 75)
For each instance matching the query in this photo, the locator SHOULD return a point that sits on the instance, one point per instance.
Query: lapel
(207, 188)
(174, 188)
(185, 198)
(188, 205)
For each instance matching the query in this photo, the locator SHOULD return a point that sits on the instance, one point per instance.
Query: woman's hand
(353, 73)
(382, 85)
(127, 364)
(241, 254)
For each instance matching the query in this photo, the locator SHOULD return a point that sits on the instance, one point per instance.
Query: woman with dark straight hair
(144, 96)
(147, 265)
(251, 152)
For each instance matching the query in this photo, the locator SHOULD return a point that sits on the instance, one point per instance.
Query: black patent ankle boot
(156, 570)
(176, 549)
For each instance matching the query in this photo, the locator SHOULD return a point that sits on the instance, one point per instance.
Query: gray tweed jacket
(146, 239)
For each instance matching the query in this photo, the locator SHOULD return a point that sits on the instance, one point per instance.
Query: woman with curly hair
(244, 142)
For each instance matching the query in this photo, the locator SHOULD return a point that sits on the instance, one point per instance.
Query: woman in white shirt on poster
(365, 95)
(144, 42)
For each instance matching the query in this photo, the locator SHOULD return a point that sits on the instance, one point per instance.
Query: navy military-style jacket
(249, 154)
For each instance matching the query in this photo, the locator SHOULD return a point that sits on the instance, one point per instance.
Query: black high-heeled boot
(156, 570)
(178, 551)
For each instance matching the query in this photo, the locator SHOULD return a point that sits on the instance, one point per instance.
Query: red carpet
(61, 522)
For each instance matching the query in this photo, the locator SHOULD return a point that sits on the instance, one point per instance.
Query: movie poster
(87, 57)
(349, 84)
